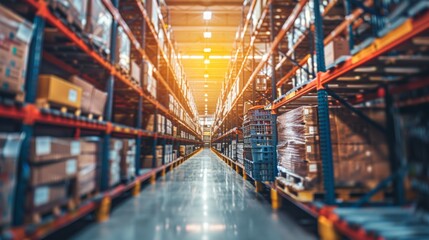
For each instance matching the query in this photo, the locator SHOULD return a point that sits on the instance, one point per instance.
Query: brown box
(89, 145)
(53, 172)
(98, 102)
(135, 72)
(87, 90)
(44, 149)
(86, 160)
(44, 195)
(55, 90)
(86, 187)
(335, 49)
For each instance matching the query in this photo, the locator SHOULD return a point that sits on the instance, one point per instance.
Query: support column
(323, 112)
(23, 174)
(273, 92)
(137, 163)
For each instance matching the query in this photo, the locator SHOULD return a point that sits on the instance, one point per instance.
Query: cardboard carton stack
(53, 164)
(359, 152)
(182, 150)
(115, 155)
(93, 100)
(75, 11)
(240, 152)
(15, 37)
(10, 145)
(149, 82)
(87, 166)
(128, 158)
(123, 51)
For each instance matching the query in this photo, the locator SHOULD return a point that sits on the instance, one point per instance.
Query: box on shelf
(54, 90)
(87, 90)
(10, 146)
(99, 25)
(335, 49)
(149, 82)
(53, 172)
(74, 11)
(152, 10)
(135, 73)
(15, 37)
(86, 177)
(46, 197)
(123, 51)
(98, 102)
(115, 156)
(45, 149)
(128, 159)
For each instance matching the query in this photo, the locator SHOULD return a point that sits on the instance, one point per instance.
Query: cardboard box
(53, 89)
(53, 172)
(98, 102)
(76, 11)
(44, 195)
(45, 149)
(123, 50)
(85, 160)
(87, 91)
(90, 145)
(99, 24)
(135, 72)
(15, 37)
(335, 49)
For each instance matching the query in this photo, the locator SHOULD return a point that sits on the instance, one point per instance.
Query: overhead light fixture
(207, 15)
(207, 34)
(206, 85)
(205, 95)
(206, 100)
(206, 61)
(206, 75)
(207, 50)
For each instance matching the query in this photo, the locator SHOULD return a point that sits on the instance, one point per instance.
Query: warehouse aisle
(201, 199)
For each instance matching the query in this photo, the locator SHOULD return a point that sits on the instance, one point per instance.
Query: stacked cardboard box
(240, 152)
(93, 100)
(53, 163)
(128, 158)
(182, 150)
(54, 90)
(149, 82)
(87, 166)
(74, 10)
(99, 25)
(10, 145)
(115, 155)
(359, 152)
(335, 49)
(123, 51)
(15, 36)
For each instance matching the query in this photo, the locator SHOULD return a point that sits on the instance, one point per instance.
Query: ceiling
(186, 19)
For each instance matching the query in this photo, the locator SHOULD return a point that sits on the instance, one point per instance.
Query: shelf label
(75, 148)
(71, 166)
(43, 146)
(72, 95)
(41, 196)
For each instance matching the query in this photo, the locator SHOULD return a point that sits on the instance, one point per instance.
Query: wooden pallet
(317, 193)
(56, 209)
(12, 98)
(45, 104)
(85, 197)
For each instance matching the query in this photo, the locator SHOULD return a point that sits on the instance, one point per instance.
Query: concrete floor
(201, 199)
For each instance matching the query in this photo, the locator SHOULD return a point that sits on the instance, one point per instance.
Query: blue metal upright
(155, 139)
(23, 170)
(273, 90)
(323, 112)
(137, 161)
(105, 168)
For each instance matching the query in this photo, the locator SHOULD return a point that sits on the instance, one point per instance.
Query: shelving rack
(280, 63)
(74, 55)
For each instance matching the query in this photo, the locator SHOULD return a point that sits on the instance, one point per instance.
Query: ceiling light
(206, 100)
(207, 34)
(205, 95)
(206, 85)
(207, 15)
(207, 50)
(206, 61)
(206, 75)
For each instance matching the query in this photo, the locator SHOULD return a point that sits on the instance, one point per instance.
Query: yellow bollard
(171, 167)
(275, 200)
(244, 175)
(153, 179)
(326, 229)
(163, 172)
(103, 210)
(237, 169)
(258, 186)
(136, 189)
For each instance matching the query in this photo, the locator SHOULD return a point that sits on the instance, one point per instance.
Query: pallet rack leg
(153, 178)
(163, 172)
(137, 161)
(103, 211)
(275, 199)
(326, 229)
(136, 189)
(33, 66)
(258, 186)
(244, 175)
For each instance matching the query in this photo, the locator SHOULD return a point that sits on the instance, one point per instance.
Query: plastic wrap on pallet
(359, 151)
(99, 25)
(10, 145)
(123, 50)
(74, 11)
